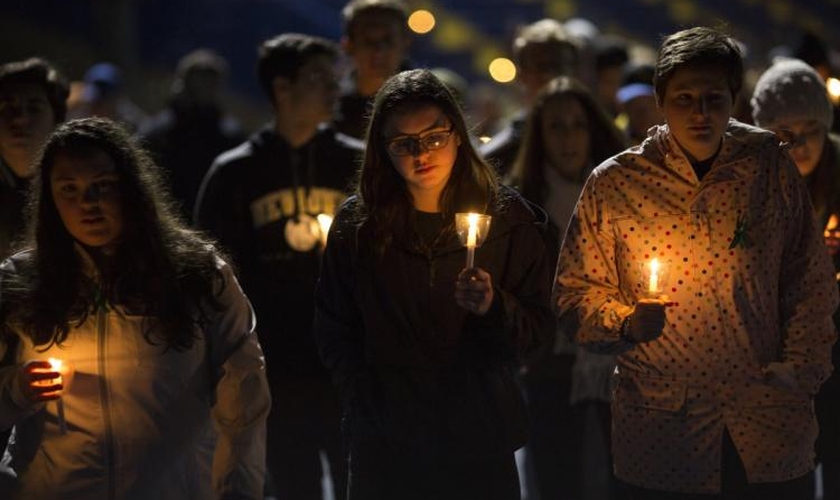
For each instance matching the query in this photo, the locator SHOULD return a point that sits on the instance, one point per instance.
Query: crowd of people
(648, 311)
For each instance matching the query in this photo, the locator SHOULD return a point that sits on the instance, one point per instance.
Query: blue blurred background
(147, 37)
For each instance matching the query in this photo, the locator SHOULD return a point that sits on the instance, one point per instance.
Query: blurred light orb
(502, 70)
(833, 86)
(421, 21)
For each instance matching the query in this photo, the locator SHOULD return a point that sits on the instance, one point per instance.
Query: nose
(92, 195)
(417, 148)
(702, 106)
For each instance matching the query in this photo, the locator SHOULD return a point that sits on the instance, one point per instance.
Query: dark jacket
(13, 191)
(352, 114)
(418, 371)
(248, 201)
(184, 141)
(503, 148)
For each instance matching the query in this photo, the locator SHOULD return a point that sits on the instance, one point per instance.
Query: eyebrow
(98, 176)
(440, 122)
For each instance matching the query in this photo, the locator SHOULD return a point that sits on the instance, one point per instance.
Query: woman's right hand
(39, 382)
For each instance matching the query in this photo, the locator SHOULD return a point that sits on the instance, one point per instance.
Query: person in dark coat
(194, 128)
(33, 101)
(376, 39)
(423, 349)
(269, 201)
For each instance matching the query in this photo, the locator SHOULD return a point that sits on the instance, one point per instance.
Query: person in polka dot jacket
(721, 353)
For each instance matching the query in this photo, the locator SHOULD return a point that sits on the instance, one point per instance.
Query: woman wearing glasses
(423, 349)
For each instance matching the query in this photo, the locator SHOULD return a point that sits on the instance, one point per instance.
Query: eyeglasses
(807, 134)
(413, 145)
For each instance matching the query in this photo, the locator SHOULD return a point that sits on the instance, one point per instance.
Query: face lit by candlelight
(425, 171)
(86, 191)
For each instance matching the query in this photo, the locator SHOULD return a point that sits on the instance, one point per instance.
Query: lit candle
(653, 284)
(324, 221)
(831, 226)
(57, 366)
(472, 220)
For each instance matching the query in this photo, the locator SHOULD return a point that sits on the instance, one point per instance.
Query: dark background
(147, 37)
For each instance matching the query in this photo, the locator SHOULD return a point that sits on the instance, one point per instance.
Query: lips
(701, 129)
(93, 220)
(423, 169)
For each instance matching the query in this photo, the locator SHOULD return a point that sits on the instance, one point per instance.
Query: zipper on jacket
(101, 325)
(431, 260)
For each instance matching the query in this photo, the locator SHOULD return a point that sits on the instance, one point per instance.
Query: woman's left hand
(474, 290)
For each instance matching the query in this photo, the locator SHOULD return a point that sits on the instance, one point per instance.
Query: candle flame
(325, 221)
(472, 220)
(831, 226)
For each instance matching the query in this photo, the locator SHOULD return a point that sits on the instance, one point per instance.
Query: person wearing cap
(637, 99)
(790, 99)
(103, 94)
(33, 100)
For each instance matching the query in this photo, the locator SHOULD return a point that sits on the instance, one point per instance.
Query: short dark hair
(545, 32)
(285, 54)
(700, 46)
(356, 8)
(37, 71)
(201, 60)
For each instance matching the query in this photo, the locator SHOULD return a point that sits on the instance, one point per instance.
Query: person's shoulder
(157, 125)
(516, 209)
(328, 133)
(241, 156)
(350, 211)
(616, 163)
(508, 138)
(17, 263)
(347, 221)
(750, 135)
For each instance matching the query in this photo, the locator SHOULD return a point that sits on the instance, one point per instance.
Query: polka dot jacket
(748, 334)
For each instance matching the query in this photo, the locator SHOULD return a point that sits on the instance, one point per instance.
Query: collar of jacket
(739, 142)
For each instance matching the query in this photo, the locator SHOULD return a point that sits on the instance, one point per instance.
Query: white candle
(653, 284)
(324, 221)
(56, 365)
(472, 219)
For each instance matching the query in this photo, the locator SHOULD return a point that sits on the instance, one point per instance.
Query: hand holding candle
(43, 381)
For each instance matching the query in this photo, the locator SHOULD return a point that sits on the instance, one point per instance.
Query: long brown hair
(159, 264)
(385, 201)
(606, 140)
